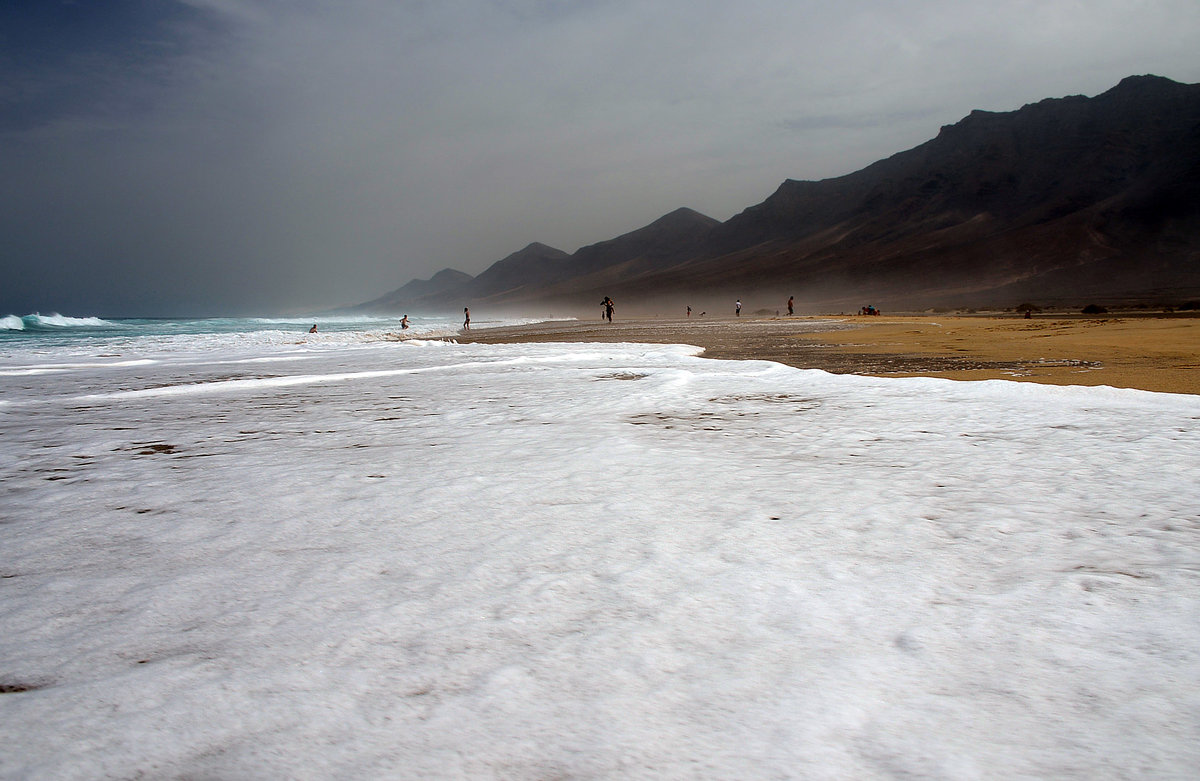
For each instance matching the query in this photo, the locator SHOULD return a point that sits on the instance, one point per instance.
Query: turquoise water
(41, 337)
(38, 326)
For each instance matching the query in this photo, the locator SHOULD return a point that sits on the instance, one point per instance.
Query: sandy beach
(1148, 352)
(228, 554)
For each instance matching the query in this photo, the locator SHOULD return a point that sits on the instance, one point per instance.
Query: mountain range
(1061, 202)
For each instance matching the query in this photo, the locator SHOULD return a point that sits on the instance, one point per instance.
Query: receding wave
(51, 322)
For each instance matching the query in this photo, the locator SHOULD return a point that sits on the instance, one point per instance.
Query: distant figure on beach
(466, 319)
(313, 330)
(404, 323)
(689, 311)
(607, 303)
(737, 307)
(791, 302)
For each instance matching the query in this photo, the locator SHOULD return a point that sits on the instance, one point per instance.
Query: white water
(427, 560)
(39, 321)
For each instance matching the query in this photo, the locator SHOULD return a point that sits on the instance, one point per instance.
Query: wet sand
(1155, 353)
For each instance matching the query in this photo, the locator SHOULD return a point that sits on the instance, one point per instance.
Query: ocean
(235, 549)
(54, 334)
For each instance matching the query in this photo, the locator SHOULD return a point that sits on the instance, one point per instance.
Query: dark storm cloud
(91, 59)
(229, 155)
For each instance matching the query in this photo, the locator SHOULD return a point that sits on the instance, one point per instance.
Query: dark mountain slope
(415, 291)
(539, 273)
(669, 241)
(1062, 200)
(536, 265)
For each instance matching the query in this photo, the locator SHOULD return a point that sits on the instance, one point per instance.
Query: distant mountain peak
(449, 276)
(536, 248)
(684, 215)
(1148, 80)
(415, 290)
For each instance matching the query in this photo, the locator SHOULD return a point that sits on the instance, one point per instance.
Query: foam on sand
(592, 560)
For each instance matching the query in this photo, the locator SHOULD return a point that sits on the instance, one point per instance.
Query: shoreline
(1159, 353)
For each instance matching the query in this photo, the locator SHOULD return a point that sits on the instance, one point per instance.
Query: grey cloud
(268, 155)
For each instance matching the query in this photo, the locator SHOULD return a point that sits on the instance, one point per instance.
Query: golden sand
(1155, 353)
(1150, 353)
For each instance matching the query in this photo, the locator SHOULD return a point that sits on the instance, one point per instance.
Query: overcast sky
(258, 156)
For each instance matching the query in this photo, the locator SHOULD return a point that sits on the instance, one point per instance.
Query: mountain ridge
(1062, 199)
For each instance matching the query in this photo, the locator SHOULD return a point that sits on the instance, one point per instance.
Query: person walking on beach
(466, 319)
(689, 311)
(737, 307)
(607, 303)
(791, 301)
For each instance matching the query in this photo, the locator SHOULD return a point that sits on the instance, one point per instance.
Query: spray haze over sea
(230, 548)
(59, 332)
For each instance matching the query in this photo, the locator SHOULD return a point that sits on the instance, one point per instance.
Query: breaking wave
(52, 322)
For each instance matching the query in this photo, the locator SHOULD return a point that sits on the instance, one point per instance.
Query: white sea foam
(61, 321)
(440, 560)
(37, 320)
(220, 338)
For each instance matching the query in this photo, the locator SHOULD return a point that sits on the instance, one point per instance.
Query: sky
(212, 157)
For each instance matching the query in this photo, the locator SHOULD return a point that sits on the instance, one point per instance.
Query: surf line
(233, 386)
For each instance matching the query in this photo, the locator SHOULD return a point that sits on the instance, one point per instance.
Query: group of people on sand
(737, 307)
(606, 313)
(868, 310)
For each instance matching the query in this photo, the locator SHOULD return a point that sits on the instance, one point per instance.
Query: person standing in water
(737, 307)
(608, 308)
(791, 300)
(404, 323)
(313, 330)
(466, 319)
